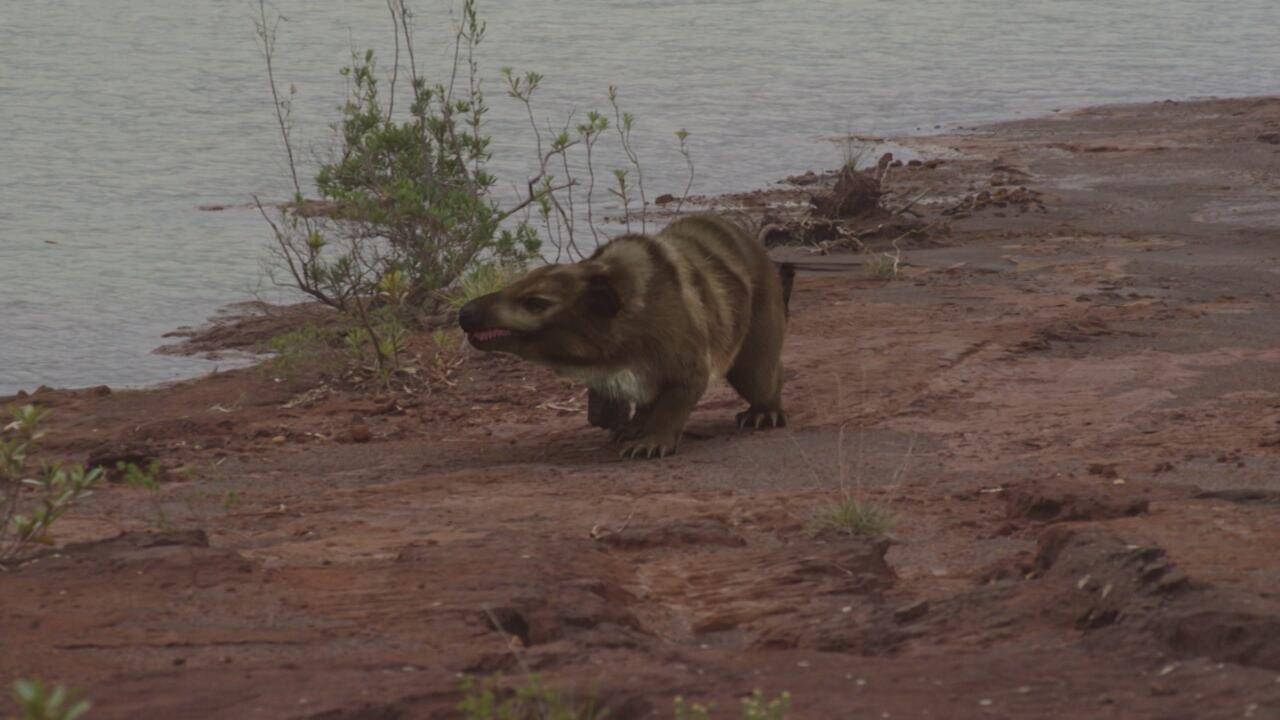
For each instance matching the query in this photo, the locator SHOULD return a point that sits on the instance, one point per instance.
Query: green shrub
(408, 195)
(408, 198)
(56, 488)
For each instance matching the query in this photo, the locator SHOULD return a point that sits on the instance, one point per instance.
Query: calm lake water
(119, 119)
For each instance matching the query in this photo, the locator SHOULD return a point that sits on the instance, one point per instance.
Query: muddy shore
(1069, 405)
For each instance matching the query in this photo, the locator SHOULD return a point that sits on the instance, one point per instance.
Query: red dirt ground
(1073, 417)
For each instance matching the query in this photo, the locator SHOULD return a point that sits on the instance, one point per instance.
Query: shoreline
(1066, 397)
(225, 320)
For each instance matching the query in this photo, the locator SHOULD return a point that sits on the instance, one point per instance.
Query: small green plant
(139, 477)
(57, 488)
(148, 479)
(305, 350)
(691, 712)
(446, 340)
(852, 516)
(885, 267)
(484, 278)
(756, 707)
(230, 499)
(531, 701)
(53, 703)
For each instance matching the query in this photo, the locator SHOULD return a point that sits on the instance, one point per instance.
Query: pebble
(359, 432)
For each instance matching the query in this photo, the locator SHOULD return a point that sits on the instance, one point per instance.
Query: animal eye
(535, 304)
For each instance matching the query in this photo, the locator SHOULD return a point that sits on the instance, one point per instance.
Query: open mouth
(490, 334)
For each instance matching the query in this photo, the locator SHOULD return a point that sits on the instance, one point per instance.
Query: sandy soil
(1073, 415)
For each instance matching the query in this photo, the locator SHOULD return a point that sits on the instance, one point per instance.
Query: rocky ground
(1068, 401)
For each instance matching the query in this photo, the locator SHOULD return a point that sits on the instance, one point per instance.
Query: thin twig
(395, 63)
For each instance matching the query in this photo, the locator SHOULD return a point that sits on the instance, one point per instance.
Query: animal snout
(469, 317)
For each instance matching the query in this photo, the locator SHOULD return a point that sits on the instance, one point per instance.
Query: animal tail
(787, 273)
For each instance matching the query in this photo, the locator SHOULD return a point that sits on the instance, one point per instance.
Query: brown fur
(650, 321)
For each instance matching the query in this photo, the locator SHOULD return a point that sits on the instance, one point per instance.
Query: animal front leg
(636, 426)
(663, 422)
(604, 411)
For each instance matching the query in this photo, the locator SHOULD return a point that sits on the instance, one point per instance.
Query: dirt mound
(1114, 580)
(1043, 503)
(1225, 634)
(1126, 594)
(856, 195)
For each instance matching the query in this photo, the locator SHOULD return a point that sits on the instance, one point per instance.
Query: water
(119, 119)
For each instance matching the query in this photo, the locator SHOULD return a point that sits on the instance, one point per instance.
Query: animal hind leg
(757, 375)
(760, 384)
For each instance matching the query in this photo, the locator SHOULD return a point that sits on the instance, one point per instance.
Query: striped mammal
(649, 321)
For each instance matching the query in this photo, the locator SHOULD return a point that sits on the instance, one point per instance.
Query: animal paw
(630, 431)
(648, 447)
(633, 429)
(761, 419)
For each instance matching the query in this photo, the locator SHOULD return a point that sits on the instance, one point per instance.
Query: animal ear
(601, 297)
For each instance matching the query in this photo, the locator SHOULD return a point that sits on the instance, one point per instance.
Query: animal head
(556, 314)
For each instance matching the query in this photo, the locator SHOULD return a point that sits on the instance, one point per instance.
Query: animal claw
(761, 419)
(649, 451)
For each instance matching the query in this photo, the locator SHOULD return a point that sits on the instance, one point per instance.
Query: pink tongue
(491, 334)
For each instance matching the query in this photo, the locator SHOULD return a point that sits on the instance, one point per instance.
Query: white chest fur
(623, 383)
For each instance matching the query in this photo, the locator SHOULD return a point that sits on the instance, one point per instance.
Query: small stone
(359, 432)
(278, 440)
(100, 391)
(985, 702)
